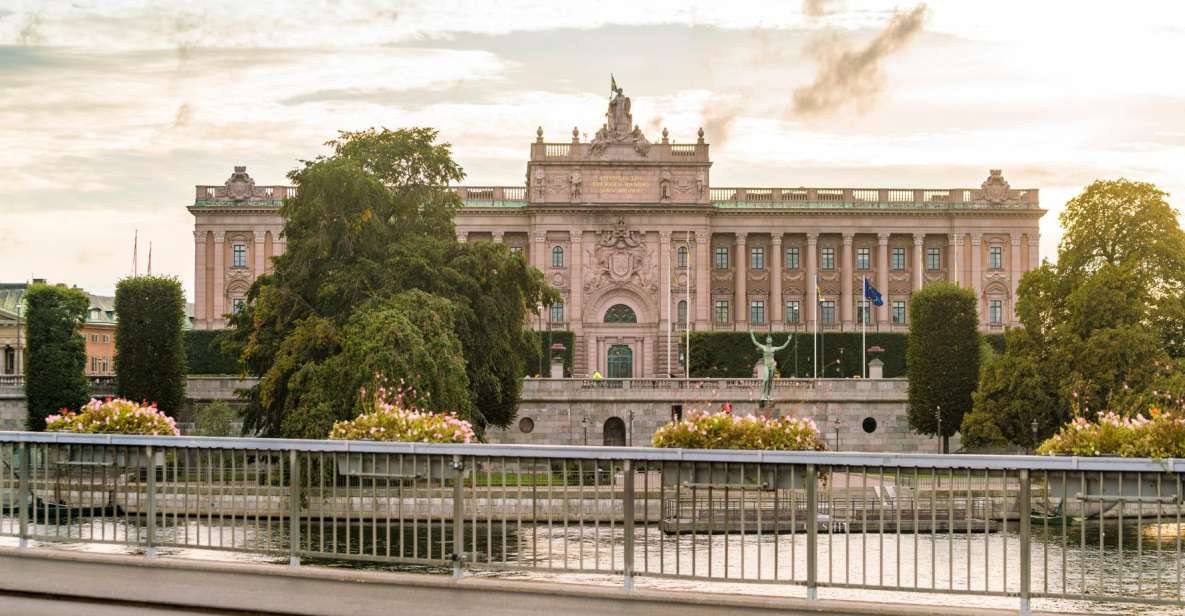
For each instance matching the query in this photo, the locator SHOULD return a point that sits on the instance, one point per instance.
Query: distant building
(642, 245)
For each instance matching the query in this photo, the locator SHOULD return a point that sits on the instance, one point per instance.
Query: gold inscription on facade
(621, 184)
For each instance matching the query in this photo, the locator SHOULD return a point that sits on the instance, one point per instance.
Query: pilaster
(776, 303)
(845, 283)
(742, 279)
(882, 276)
(812, 279)
(919, 246)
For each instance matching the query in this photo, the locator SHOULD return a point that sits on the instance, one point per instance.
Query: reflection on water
(1077, 558)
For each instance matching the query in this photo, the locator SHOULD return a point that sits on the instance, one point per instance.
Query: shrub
(203, 353)
(114, 416)
(400, 420)
(57, 352)
(702, 430)
(1158, 435)
(215, 419)
(149, 347)
(732, 355)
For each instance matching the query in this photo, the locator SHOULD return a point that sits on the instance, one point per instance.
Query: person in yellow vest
(597, 375)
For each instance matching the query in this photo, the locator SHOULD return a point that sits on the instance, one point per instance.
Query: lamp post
(837, 422)
(629, 440)
(584, 425)
(938, 417)
(1033, 425)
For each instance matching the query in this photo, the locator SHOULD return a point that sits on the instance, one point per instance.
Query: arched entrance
(614, 432)
(620, 363)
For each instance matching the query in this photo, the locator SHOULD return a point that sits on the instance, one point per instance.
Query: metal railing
(1098, 529)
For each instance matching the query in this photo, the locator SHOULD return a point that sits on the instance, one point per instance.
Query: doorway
(620, 362)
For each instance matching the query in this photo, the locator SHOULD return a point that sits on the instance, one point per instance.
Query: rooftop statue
(619, 127)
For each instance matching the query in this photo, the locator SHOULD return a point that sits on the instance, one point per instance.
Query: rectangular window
(996, 312)
(238, 304)
(828, 260)
(516, 250)
(240, 255)
(863, 258)
(721, 261)
(792, 258)
(933, 258)
(721, 311)
(681, 312)
(862, 312)
(898, 310)
(996, 257)
(757, 312)
(94, 337)
(897, 259)
(557, 312)
(94, 364)
(757, 258)
(681, 258)
(557, 257)
(792, 313)
(106, 339)
(827, 312)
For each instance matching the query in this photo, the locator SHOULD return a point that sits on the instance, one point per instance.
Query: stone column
(664, 280)
(219, 277)
(260, 263)
(538, 250)
(919, 241)
(576, 282)
(811, 300)
(882, 276)
(199, 265)
(703, 281)
(1015, 268)
(775, 279)
(1034, 251)
(845, 283)
(956, 259)
(742, 279)
(977, 272)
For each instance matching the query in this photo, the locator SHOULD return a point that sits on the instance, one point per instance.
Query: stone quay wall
(629, 411)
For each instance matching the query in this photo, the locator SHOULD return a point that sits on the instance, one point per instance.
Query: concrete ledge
(181, 584)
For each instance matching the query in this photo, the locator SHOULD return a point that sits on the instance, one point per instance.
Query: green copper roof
(501, 203)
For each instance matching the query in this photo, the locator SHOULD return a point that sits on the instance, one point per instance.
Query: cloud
(30, 33)
(850, 75)
(719, 114)
(816, 8)
(184, 116)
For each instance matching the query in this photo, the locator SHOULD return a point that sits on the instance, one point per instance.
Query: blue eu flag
(870, 293)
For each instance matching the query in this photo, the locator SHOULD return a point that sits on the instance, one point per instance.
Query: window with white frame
(237, 304)
(757, 312)
(557, 256)
(557, 312)
(721, 258)
(863, 315)
(681, 257)
(681, 311)
(898, 312)
(934, 258)
(827, 260)
(792, 258)
(722, 311)
(996, 312)
(239, 255)
(757, 258)
(792, 312)
(827, 312)
(897, 259)
(863, 258)
(996, 257)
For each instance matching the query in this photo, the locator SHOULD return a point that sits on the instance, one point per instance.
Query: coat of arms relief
(621, 258)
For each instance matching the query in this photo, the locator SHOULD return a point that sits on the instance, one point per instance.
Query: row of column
(210, 278)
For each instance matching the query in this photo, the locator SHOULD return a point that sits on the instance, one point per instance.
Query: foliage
(203, 353)
(215, 419)
(56, 364)
(1157, 435)
(395, 417)
(702, 430)
(1100, 326)
(732, 354)
(149, 346)
(943, 358)
(370, 223)
(536, 361)
(114, 416)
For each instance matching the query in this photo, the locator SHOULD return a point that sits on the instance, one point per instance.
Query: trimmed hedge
(56, 358)
(203, 355)
(732, 354)
(149, 341)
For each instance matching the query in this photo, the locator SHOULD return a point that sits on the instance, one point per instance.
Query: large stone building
(642, 245)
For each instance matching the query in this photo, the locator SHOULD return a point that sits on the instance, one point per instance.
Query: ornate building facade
(642, 246)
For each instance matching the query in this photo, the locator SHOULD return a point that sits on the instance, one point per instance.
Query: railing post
(23, 495)
(458, 516)
(293, 508)
(1026, 541)
(627, 512)
(812, 532)
(150, 550)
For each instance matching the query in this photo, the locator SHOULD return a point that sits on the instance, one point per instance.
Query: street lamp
(630, 433)
(938, 417)
(837, 422)
(584, 425)
(1033, 425)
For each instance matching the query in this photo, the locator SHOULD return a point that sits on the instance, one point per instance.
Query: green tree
(214, 419)
(149, 342)
(370, 223)
(1098, 327)
(942, 358)
(55, 375)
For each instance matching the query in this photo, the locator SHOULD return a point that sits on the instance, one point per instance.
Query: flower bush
(114, 416)
(703, 430)
(1157, 435)
(396, 418)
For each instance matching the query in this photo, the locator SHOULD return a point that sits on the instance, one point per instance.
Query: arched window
(557, 256)
(681, 256)
(620, 313)
(681, 311)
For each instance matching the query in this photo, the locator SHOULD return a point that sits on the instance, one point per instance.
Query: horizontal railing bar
(835, 460)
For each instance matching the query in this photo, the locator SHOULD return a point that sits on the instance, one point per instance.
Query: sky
(112, 110)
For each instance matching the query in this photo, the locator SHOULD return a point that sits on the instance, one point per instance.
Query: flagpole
(864, 332)
(815, 338)
(687, 298)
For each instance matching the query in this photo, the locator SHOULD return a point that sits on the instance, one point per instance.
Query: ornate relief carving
(795, 274)
(995, 187)
(758, 275)
(239, 185)
(622, 258)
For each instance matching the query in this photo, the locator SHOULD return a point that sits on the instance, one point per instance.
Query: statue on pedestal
(767, 355)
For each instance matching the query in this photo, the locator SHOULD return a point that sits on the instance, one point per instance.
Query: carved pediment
(621, 258)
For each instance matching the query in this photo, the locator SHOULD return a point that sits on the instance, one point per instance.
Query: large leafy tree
(54, 375)
(942, 358)
(149, 341)
(1100, 327)
(374, 289)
